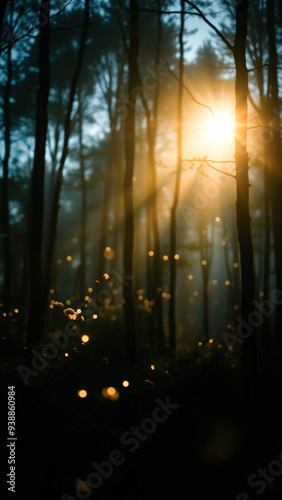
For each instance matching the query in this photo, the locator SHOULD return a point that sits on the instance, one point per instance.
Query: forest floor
(196, 436)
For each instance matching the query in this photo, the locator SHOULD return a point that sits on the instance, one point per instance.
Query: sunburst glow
(221, 127)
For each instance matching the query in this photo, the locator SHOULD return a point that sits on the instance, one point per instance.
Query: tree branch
(186, 88)
(210, 24)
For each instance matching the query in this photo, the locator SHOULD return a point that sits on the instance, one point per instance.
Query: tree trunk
(129, 149)
(275, 150)
(3, 6)
(171, 310)
(5, 187)
(36, 305)
(104, 220)
(249, 361)
(82, 268)
(59, 178)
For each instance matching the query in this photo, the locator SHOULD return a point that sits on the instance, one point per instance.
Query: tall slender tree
(5, 212)
(274, 156)
(238, 50)
(67, 133)
(36, 305)
(173, 212)
(129, 151)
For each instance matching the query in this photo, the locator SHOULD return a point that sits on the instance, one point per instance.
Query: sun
(220, 126)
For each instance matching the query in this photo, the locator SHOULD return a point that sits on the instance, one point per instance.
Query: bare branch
(207, 162)
(210, 24)
(186, 88)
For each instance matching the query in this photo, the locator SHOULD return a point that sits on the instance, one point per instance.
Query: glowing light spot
(227, 282)
(195, 293)
(159, 291)
(134, 179)
(110, 393)
(210, 341)
(90, 290)
(190, 276)
(94, 316)
(86, 177)
(165, 257)
(204, 262)
(106, 276)
(151, 253)
(68, 302)
(59, 261)
(74, 240)
(82, 393)
(164, 188)
(217, 219)
(109, 253)
(223, 243)
(176, 256)
(140, 297)
(235, 264)
(86, 298)
(152, 367)
(66, 354)
(163, 294)
(16, 311)
(200, 343)
(82, 486)
(229, 326)
(85, 338)
(69, 258)
(78, 311)
(168, 295)
(52, 291)
(219, 346)
(261, 294)
(125, 383)
(51, 306)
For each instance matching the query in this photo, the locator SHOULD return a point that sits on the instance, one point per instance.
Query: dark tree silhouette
(129, 150)
(67, 133)
(172, 252)
(36, 305)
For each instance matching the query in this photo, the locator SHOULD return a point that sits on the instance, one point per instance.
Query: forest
(141, 249)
